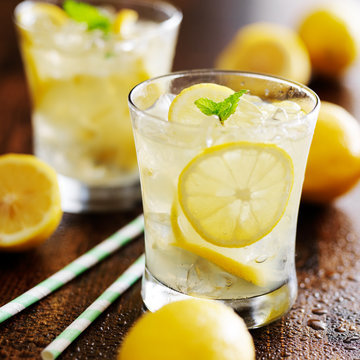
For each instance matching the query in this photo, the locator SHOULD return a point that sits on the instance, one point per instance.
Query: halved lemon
(29, 202)
(183, 109)
(235, 193)
(267, 48)
(124, 22)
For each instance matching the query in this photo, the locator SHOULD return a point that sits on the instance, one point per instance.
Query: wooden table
(323, 324)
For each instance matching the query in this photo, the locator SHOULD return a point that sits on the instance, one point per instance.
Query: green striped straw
(128, 278)
(75, 268)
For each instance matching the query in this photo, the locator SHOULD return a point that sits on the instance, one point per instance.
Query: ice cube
(280, 115)
(206, 278)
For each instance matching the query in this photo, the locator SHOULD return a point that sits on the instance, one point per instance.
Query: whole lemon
(191, 330)
(267, 48)
(331, 35)
(333, 165)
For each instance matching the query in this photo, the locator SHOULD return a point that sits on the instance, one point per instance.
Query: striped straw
(128, 278)
(75, 268)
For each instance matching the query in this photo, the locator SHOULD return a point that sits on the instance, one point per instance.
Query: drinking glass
(221, 201)
(79, 80)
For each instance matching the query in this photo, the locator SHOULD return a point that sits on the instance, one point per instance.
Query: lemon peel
(333, 166)
(204, 329)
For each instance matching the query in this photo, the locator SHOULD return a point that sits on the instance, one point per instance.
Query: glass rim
(183, 73)
(174, 13)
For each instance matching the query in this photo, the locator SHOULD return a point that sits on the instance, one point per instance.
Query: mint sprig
(222, 109)
(88, 14)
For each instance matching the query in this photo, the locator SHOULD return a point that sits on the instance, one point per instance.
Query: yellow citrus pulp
(234, 194)
(29, 202)
(267, 48)
(191, 330)
(333, 165)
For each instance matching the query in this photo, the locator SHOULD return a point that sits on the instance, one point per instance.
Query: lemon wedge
(124, 22)
(184, 111)
(29, 202)
(267, 48)
(235, 193)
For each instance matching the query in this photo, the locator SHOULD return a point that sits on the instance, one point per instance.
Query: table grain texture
(324, 323)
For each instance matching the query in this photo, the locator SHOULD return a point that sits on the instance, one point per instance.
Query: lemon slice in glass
(29, 202)
(124, 22)
(183, 109)
(40, 15)
(235, 193)
(263, 274)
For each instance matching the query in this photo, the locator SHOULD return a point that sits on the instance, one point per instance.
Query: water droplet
(355, 278)
(351, 338)
(319, 311)
(317, 335)
(316, 324)
(340, 329)
(332, 275)
(285, 354)
(350, 347)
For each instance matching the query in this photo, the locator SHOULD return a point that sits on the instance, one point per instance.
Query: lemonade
(81, 62)
(221, 198)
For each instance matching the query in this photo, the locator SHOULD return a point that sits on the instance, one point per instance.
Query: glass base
(256, 311)
(77, 197)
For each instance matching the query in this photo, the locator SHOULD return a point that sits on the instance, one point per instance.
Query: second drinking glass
(81, 61)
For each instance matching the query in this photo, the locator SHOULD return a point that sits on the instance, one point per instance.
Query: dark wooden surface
(323, 324)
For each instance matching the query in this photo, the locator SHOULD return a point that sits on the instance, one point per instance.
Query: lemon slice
(124, 22)
(29, 202)
(265, 274)
(267, 48)
(235, 193)
(183, 110)
(40, 14)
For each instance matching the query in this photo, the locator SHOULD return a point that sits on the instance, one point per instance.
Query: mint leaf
(88, 14)
(221, 109)
(229, 105)
(207, 106)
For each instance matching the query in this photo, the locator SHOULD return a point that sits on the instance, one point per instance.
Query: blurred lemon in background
(333, 165)
(267, 48)
(191, 330)
(331, 35)
(30, 208)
